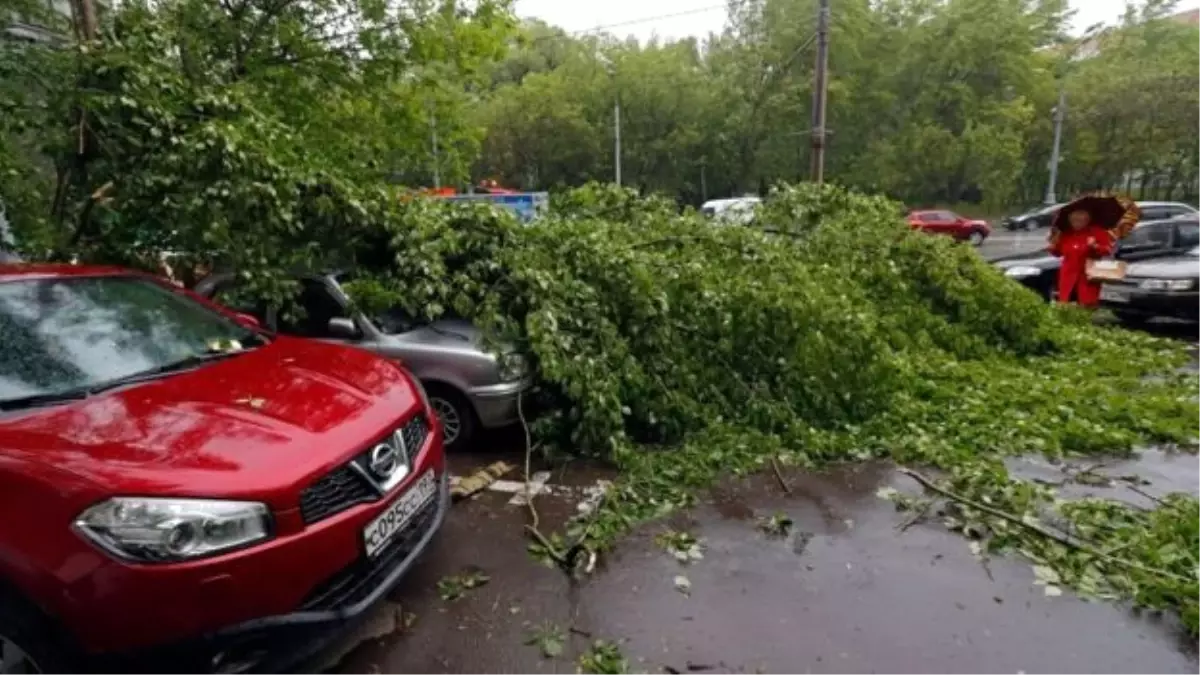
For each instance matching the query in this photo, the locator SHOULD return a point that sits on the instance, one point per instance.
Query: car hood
(1174, 267)
(254, 426)
(1038, 259)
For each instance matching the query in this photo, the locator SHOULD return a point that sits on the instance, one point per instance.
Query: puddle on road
(847, 592)
(1161, 472)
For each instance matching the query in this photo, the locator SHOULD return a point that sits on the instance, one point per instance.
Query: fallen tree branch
(918, 515)
(1038, 528)
(779, 476)
(566, 561)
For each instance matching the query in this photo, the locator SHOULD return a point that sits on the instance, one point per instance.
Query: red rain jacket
(1075, 250)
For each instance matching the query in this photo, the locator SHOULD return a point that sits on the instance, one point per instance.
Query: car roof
(1144, 204)
(731, 201)
(12, 272)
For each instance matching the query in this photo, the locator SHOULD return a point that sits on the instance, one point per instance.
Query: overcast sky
(699, 17)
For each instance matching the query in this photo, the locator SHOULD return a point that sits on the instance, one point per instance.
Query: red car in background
(179, 487)
(950, 224)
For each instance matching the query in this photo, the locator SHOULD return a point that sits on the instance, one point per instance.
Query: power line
(650, 19)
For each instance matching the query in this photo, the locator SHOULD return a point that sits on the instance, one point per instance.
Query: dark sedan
(1031, 220)
(1163, 287)
(1039, 270)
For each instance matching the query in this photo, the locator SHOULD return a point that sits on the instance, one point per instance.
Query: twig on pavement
(1037, 527)
(779, 476)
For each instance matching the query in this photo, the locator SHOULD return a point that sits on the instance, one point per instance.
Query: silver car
(469, 387)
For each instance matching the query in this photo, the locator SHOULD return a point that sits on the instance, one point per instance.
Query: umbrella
(1113, 212)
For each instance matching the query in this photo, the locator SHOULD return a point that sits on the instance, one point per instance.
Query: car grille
(346, 486)
(354, 583)
(336, 492)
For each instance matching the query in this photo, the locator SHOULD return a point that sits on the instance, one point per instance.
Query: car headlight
(147, 529)
(513, 366)
(1167, 284)
(1022, 271)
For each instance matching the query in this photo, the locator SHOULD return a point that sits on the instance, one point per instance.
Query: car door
(937, 222)
(1147, 241)
(1187, 235)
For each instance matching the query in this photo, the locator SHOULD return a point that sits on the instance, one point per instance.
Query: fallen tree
(683, 352)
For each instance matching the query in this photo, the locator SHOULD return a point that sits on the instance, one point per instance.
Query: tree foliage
(928, 101)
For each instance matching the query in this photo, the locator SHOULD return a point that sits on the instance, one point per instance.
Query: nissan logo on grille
(387, 457)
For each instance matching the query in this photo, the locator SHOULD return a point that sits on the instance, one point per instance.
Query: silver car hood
(446, 333)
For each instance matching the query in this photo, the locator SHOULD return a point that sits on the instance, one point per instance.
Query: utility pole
(820, 81)
(1060, 112)
(437, 162)
(617, 137)
(86, 23)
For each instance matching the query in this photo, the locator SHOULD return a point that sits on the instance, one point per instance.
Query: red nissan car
(950, 224)
(179, 487)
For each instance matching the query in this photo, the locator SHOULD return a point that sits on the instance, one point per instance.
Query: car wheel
(976, 238)
(455, 413)
(1030, 225)
(29, 642)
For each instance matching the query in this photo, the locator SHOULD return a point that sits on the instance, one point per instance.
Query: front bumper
(281, 642)
(1175, 304)
(273, 604)
(496, 404)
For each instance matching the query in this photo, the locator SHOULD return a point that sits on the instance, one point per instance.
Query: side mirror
(248, 320)
(340, 326)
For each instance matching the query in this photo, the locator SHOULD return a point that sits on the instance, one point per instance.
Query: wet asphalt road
(1003, 243)
(846, 592)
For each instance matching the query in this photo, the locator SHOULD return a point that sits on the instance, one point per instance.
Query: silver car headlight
(1022, 271)
(1167, 284)
(513, 366)
(148, 529)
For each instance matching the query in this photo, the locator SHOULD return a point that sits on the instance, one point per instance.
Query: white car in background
(739, 210)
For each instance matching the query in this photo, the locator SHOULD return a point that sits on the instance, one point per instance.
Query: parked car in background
(1032, 220)
(739, 210)
(1160, 287)
(1165, 210)
(950, 224)
(468, 387)
(1044, 216)
(1039, 270)
(181, 487)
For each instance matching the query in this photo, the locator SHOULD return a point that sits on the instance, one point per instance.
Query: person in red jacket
(1083, 240)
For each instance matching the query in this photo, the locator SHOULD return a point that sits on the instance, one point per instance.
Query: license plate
(1113, 294)
(379, 532)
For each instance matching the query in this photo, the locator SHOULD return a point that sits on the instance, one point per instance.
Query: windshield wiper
(173, 367)
(43, 399)
(82, 393)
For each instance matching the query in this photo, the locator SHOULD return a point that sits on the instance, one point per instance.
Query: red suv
(177, 483)
(950, 224)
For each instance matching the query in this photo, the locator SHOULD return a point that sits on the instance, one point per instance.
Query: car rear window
(70, 333)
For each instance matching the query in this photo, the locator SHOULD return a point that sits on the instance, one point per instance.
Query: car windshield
(72, 334)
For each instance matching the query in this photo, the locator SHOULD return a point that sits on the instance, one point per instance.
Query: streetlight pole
(820, 81)
(1059, 114)
(617, 138)
(437, 161)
